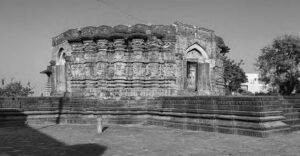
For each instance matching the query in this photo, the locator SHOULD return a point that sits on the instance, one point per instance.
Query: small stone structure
(135, 61)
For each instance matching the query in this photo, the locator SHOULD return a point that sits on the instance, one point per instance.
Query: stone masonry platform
(251, 116)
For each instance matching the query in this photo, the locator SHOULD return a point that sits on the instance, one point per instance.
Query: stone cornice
(165, 32)
(193, 27)
(120, 31)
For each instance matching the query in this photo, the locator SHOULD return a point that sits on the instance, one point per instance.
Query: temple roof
(104, 32)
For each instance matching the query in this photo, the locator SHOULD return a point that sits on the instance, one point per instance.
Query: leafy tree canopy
(234, 75)
(222, 46)
(279, 65)
(15, 88)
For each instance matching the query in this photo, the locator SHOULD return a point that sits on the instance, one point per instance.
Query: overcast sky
(27, 26)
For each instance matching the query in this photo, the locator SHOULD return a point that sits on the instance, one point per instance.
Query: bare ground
(138, 141)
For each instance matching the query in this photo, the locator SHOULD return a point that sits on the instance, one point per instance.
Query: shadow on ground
(17, 139)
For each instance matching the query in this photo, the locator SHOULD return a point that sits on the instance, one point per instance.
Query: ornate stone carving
(102, 56)
(129, 70)
(194, 55)
(119, 44)
(118, 56)
(153, 70)
(153, 56)
(110, 70)
(77, 47)
(90, 46)
(88, 56)
(138, 70)
(77, 71)
(154, 42)
(100, 69)
(169, 70)
(120, 70)
(139, 60)
(137, 55)
(102, 44)
(78, 57)
(137, 44)
(69, 71)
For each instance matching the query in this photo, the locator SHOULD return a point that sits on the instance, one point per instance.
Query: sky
(27, 26)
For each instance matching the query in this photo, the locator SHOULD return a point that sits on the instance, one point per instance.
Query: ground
(138, 141)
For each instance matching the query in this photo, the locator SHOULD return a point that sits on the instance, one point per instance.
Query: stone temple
(135, 61)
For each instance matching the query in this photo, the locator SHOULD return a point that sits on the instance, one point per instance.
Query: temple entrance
(192, 76)
(195, 75)
(61, 72)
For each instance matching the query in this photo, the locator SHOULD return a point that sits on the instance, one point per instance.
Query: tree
(224, 49)
(15, 88)
(233, 75)
(279, 65)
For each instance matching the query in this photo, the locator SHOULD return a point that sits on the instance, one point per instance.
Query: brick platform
(252, 116)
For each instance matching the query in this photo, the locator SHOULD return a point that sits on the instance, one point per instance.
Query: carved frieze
(137, 44)
(91, 56)
(129, 70)
(110, 70)
(120, 70)
(168, 56)
(154, 43)
(100, 69)
(153, 56)
(102, 44)
(153, 70)
(87, 71)
(77, 47)
(135, 60)
(87, 57)
(137, 56)
(119, 44)
(169, 70)
(102, 55)
(77, 71)
(90, 46)
(118, 55)
(138, 70)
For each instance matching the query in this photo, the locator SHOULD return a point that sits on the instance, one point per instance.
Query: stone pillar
(48, 87)
(61, 79)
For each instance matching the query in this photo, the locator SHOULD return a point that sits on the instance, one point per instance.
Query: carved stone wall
(136, 61)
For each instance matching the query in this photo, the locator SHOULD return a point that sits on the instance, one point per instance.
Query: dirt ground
(138, 141)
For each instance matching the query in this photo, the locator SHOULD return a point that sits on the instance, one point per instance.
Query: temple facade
(135, 61)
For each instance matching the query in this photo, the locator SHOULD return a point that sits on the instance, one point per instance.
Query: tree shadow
(18, 139)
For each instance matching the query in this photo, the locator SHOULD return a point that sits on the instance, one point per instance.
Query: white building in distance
(254, 85)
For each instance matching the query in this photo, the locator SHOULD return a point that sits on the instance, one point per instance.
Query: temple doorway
(192, 77)
(61, 71)
(195, 58)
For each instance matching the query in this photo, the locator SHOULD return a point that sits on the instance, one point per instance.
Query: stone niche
(141, 61)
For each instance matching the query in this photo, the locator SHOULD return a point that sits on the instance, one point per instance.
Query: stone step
(222, 129)
(295, 127)
(292, 122)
